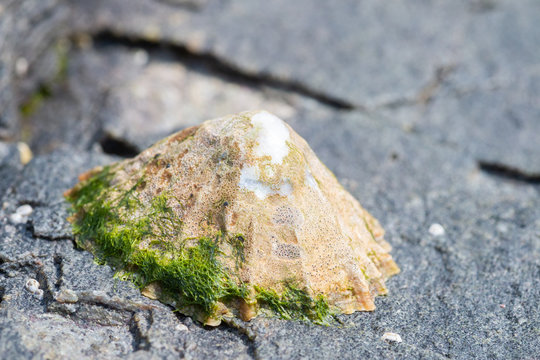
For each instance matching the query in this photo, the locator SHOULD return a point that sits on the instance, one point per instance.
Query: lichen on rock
(234, 217)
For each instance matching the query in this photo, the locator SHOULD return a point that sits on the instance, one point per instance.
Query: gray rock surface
(29, 30)
(426, 112)
(370, 55)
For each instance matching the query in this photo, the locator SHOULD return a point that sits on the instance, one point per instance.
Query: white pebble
(392, 337)
(501, 227)
(436, 230)
(21, 66)
(141, 57)
(17, 219)
(24, 210)
(181, 327)
(20, 216)
(32, 285)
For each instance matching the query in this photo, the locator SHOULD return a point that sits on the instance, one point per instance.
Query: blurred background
(120, 74)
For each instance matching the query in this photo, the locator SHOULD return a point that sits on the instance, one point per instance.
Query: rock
(391, 337)
(10, 165)
(436, 229)
(27, 38)
(25, 152)
(494, 120)
(20, 216)
(67, 296)
(471, 72)
(249, 188)
(163, 96)
(32, 285)
(355, 42)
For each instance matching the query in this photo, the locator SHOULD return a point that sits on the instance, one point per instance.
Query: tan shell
(252, 174)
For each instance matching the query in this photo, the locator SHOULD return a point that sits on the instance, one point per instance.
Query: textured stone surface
(354, 53)
(28, 31)
(411, 160)
(163, 96)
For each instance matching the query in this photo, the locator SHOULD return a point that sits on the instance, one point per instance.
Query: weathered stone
(28, 30)
(163, 96)
(496, 121)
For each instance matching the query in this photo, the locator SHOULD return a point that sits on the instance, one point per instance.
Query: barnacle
(234, 217)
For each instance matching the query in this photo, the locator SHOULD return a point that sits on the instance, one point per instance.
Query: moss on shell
(114, 225)
(295, 303)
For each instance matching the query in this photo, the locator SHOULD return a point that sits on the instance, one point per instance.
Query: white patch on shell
(250, 180)
(272, 136)
(285, 188)
(310, 180)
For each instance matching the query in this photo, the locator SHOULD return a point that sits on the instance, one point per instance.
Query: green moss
(113, 230)
(35, 100)
(296, 304)
(237, 244)
(44, 91)
(113, 224)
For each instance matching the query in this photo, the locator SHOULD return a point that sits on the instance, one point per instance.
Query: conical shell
(281, 227)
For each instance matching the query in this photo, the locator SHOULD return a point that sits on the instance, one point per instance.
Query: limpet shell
(235, 217)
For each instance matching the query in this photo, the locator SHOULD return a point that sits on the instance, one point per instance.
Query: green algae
(35, 100)
(45, 90)
(113, 224)
(295, 303)
(114, 229)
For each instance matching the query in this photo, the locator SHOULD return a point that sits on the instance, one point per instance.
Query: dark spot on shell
(166, 176)
(286, 251)
(141, 186)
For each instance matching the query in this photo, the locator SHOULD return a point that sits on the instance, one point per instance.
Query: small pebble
(24, 210)
(181, 327)
(25, 153)
(17, 219)
(20, 216)
(32, 285)
(436, 230)
(501, 227)
(67, 296)
(141, 57)
(21, 66)
(392, 337)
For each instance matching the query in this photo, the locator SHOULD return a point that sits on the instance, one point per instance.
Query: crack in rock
(508, 172)
(222, 67)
